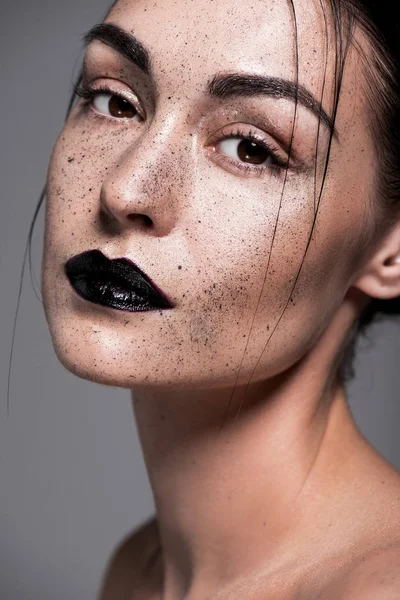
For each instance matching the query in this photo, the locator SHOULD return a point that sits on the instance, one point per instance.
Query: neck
(231, 499)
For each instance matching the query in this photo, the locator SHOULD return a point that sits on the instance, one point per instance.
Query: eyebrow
(123, 42)
(231, 85)
(234, 85)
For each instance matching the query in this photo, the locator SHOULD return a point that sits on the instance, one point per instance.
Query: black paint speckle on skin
(226, 244)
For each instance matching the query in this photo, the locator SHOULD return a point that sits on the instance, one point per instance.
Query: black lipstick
(117, 283)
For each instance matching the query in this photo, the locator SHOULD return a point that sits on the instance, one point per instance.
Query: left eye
(246, 151)
(115, 106)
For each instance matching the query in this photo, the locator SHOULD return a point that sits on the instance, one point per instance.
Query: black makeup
(116, 283)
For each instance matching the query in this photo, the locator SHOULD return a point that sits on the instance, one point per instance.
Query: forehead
(201, 37)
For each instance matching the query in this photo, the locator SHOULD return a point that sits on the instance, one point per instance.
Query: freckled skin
(264, 296)
(216, 225)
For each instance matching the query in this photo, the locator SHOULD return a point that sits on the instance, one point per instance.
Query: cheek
(282, 285)
(67, 193)
(80, 162)
(249, 263)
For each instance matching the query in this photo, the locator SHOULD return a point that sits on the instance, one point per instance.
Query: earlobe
(380, 277)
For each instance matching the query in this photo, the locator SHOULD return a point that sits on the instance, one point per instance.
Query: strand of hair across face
(281, 198)
(338, 83)
(322, 99)
(270, 251)
(340, 61)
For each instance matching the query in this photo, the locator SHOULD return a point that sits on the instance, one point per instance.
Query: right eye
(115, 106)
(108, 103)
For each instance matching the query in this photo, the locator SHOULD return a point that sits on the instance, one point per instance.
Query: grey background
(72, 479)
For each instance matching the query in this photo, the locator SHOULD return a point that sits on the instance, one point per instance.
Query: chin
(114, 361)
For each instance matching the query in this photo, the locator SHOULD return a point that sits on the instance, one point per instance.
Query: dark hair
(381, 85)
(382, 88)
(382, 93)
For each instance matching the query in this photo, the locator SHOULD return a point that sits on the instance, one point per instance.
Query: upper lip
(93, 263)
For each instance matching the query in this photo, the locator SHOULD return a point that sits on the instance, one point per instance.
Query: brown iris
(119, 107)
(251, 152)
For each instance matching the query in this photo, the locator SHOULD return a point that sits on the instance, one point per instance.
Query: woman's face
(189, 182)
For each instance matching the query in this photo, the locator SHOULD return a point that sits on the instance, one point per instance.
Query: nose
(149, 181)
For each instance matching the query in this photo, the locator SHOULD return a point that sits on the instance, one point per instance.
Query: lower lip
(110, 295)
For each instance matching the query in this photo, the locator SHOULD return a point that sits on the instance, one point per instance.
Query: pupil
(119, 107)
(251, 152)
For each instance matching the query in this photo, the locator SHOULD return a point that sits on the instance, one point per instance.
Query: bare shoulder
(375, 576)
(371, 571)
(134, 554)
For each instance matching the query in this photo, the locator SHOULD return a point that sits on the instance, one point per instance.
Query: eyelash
(88, 94)
(279, 164)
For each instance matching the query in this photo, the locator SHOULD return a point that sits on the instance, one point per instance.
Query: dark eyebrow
(123, 42)
(234, 85)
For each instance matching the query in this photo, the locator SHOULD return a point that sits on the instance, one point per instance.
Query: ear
(380, 275)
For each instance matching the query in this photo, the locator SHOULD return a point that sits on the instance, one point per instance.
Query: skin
(287, 500)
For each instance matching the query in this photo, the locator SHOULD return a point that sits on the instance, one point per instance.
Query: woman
(222, 216)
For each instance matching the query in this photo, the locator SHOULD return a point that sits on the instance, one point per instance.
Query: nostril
(143, 218)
